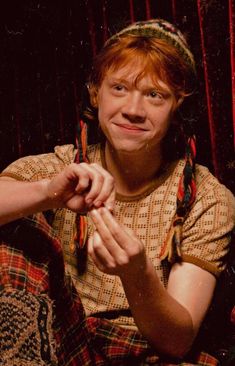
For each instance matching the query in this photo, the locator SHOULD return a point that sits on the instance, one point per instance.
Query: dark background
(46, 52)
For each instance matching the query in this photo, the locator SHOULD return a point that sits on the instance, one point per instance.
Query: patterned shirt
(206, 229)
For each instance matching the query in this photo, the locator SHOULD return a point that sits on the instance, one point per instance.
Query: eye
(155, 94)
(118, 87)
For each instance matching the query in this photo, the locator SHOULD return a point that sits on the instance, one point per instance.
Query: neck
(132, 172)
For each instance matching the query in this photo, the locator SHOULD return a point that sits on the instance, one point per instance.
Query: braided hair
(185, 198)
(80, 238)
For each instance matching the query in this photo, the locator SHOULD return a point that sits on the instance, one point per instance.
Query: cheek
(101, 110)
(100, 114)
(103, 119)
(162, 119)
(106, 110)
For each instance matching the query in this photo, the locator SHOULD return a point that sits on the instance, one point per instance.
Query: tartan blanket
(42, 323)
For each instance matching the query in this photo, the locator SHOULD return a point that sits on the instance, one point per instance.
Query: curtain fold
(232, 54)
(18, 134)
(46, 54)
(148, 9)
(201, 8)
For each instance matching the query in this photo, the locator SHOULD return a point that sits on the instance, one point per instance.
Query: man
(155, 248)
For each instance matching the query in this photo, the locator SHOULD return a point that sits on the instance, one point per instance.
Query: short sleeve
(207, 229)
(36, 167)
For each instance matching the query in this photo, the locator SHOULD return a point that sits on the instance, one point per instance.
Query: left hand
(114, 249)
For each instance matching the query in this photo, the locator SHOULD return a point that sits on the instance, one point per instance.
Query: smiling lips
(130, 128)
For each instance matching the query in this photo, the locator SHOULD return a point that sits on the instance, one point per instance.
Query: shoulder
(208, 226)
(208, 187)
(211, 190)
(65, 153)
(35, 167)
(214, 204)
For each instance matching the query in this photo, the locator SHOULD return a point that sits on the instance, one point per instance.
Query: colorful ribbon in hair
(171, 250)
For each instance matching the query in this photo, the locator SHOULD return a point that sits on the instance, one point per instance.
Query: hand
(81, 186)
(114, 249)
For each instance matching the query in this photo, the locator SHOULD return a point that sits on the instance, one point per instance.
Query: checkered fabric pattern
(32, 280)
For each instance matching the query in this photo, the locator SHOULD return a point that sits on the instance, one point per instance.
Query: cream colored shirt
(206, 229)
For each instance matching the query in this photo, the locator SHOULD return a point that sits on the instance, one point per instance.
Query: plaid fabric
(203, 359)
(33, 286)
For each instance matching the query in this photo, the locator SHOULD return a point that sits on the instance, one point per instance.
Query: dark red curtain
(46, 52)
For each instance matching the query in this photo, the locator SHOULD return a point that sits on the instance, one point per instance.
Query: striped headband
(161, 29)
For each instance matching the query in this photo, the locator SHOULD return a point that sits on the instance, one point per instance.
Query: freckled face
(134, 115)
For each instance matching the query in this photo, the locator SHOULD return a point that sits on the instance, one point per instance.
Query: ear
(93, 92)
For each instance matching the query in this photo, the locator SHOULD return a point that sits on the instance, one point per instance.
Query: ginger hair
(157, 58)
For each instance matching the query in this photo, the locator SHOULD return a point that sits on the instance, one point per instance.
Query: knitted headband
(161, 29)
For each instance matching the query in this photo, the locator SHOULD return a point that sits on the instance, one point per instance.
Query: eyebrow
(165, 92)
(158, 88)
(117, 80)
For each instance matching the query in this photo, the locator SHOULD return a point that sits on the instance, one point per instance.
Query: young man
(142, 231)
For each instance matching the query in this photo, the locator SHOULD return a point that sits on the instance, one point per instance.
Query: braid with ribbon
(185, 197)
(78, 245)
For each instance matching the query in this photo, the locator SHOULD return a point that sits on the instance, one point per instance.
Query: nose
(134, 109)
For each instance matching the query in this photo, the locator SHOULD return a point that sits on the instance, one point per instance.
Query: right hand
(79, 187)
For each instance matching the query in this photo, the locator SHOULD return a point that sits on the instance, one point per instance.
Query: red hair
(156, 56)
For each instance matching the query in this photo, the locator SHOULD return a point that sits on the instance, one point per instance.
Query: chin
(130, 148)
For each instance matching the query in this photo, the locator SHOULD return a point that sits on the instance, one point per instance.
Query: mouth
(130, 128)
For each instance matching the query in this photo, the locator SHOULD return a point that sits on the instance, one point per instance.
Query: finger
(106, 195)
(110, 202)
(99, 254)
(119, 234)
(63, 186)
(105, 232)
(92, 254)
(96, 182)
(83, 179)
